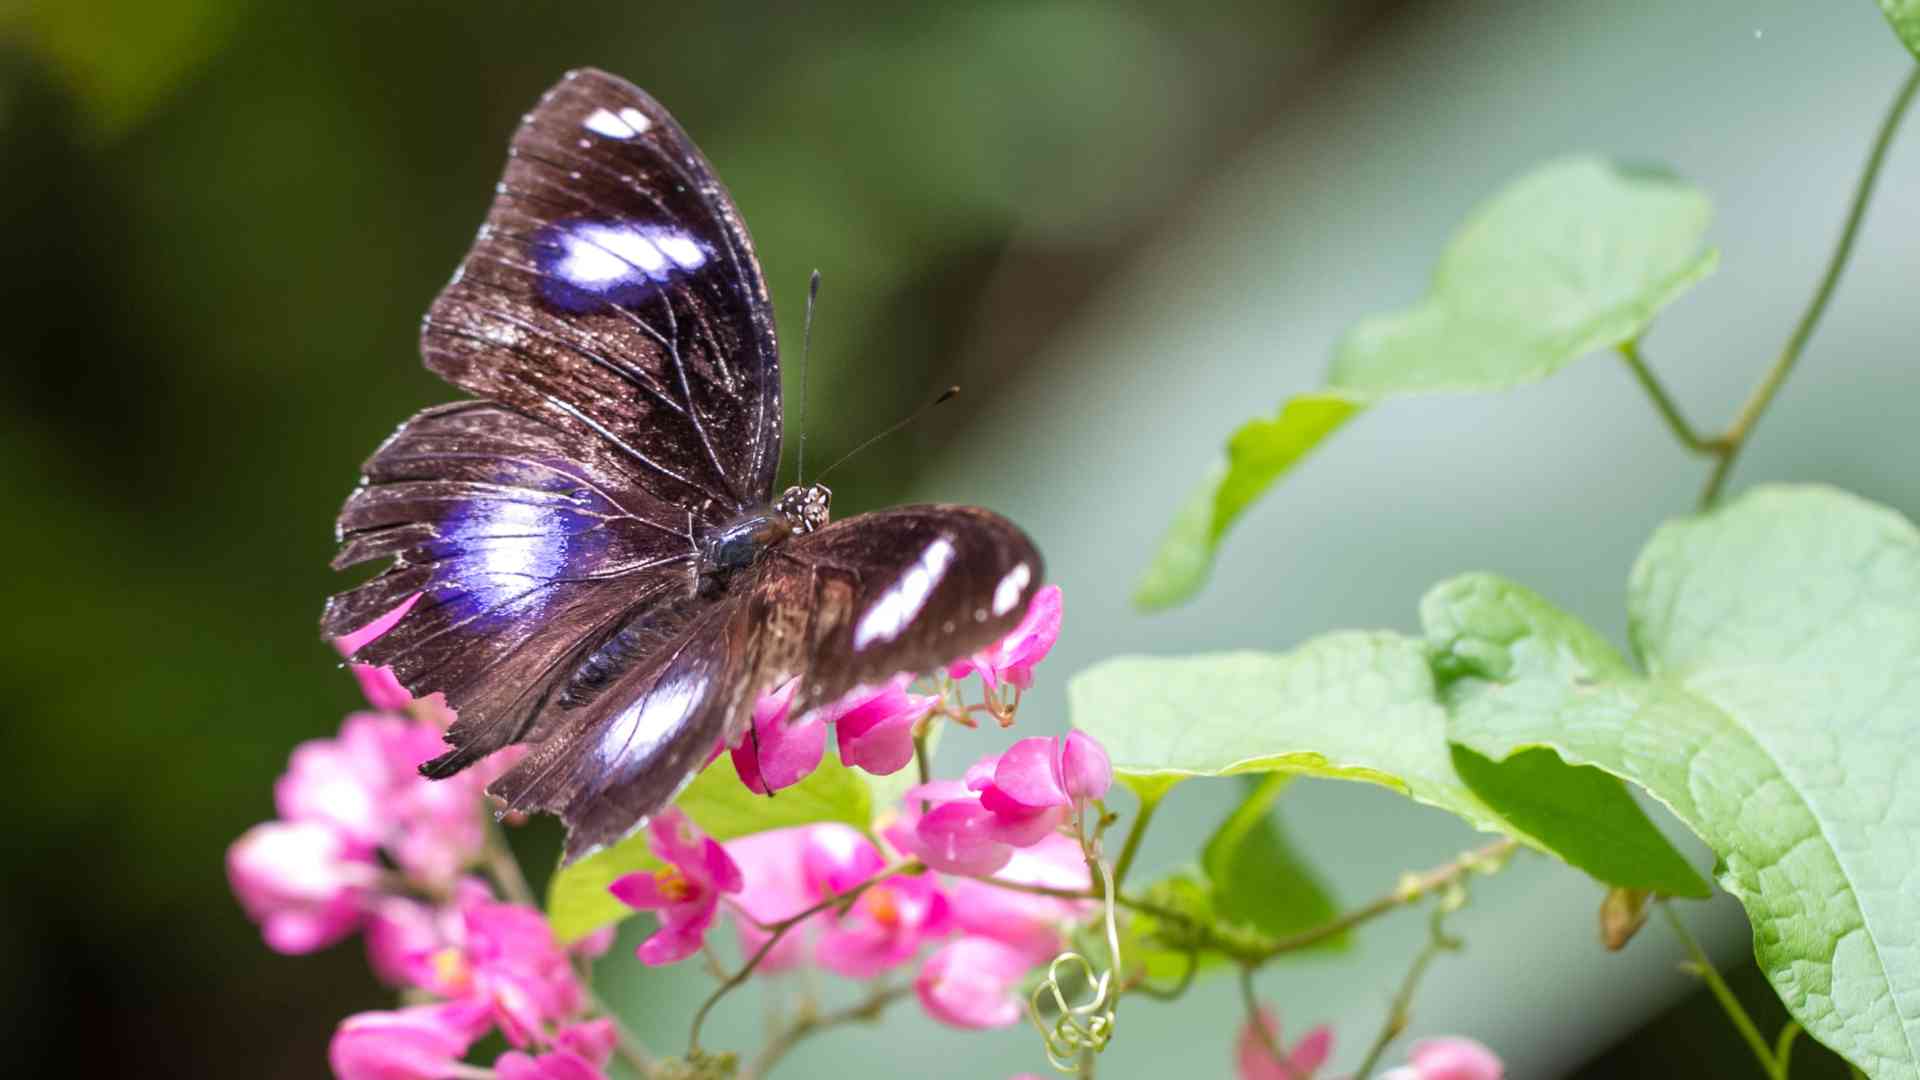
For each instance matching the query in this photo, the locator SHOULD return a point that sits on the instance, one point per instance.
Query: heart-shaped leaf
(1778, 718)
(1575, 256)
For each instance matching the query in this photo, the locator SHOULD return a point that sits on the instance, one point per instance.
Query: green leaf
(1257, 455)
(1353, 706)
(1904, 17)
(1586, 817)
(1778, 718)
(1259, 881)
(1575, 256)
(577, 899)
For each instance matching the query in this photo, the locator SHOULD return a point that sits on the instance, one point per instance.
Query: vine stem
(503, 867)
(1251, 1002)
(1401, 1012)
(1412, 887)
(1703, 967)
(1763, 394)
(1131, 845)
(778, 930)
(1669, 409)
(866, 1010)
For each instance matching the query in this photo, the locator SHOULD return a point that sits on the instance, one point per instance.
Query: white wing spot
(604, 122)
(1007, 593)
(894, 611)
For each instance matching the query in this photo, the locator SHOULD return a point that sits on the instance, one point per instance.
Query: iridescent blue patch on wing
(499, 557)
(588, 265)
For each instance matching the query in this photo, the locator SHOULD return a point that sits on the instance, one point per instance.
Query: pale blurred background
(1122, 228)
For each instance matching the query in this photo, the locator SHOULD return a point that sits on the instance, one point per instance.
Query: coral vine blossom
(685, 892)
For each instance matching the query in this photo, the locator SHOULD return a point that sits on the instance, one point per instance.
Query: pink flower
(511, 962)
(1037, 777)
(873, 726)
(1085, 771)
(1023, 792)
(685, 892)
(1030, 923)
(364, 782)
(403, 934)
(1006, 802)
(1013, 657)
(1454, 1057)
(776, 888)
(424, 1042)
(382, 690)
(438, 827)
(592, 1040)
(886, 924)
(972, 983)
(558, 1065)
(1256, 1062)
(348, 781)
(301, 881)
(954, 834)
(778, 754)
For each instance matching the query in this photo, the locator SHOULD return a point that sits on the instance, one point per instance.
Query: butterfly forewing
(906, 589)
(613, 294)
(612, 309)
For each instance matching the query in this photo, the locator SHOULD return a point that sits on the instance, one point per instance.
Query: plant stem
(1251, 1002)
(1669, 410)
(1703, 967)
(867, 1009)
(1131, 845)
(778, 930)
(1401, 1012)
(503, 867)
(1783, 1048)
(1411, 887)
(1763, 394)
(626, 1043)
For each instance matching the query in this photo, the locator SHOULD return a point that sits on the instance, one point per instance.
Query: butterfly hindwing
(521, 558)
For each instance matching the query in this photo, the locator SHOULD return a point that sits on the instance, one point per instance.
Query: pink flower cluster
(1005, 817)
(364, 843)
(986, 938)
(496, 965)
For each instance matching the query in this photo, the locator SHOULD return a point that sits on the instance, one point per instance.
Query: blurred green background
(1123, 228)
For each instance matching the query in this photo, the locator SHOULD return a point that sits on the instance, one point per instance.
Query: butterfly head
(805, 507)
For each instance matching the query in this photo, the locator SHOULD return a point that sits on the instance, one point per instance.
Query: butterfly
(589, 551)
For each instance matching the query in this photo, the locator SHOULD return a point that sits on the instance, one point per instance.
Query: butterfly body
(589, 551)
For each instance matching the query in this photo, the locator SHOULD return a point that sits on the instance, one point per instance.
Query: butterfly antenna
(945, 395)
(806, 348)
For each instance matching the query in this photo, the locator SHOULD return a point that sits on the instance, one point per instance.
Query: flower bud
(1622, 914)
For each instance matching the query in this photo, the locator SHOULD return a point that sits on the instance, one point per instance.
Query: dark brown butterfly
(601, 565)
